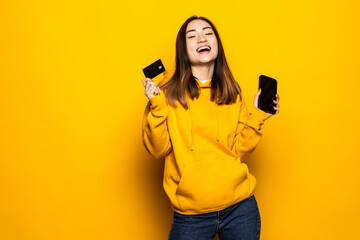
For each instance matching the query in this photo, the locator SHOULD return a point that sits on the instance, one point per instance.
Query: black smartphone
(154, 69)
(268, 87)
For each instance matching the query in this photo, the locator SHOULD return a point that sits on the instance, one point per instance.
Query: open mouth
(204, 49)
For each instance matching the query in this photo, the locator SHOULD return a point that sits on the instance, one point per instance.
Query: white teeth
(205, 47)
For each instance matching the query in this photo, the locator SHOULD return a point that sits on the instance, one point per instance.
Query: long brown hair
(224, 88)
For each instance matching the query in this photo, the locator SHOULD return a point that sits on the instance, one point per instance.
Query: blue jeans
(240, 221)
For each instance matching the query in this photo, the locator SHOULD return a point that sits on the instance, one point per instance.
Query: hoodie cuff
(259, 114)
(257, 117)
(158, 105)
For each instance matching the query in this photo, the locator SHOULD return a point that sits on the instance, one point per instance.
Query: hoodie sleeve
(248, 131)
(155, 135)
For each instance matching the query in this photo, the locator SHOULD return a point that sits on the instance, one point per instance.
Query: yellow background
(72, 164)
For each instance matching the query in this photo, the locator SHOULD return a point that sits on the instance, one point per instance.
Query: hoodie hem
(209, 210)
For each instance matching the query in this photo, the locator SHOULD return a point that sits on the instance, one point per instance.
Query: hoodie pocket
(211, 183)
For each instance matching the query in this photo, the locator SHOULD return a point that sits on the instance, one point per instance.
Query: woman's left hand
(256, 100)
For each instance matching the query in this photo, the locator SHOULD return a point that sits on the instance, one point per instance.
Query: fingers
(153, 85)
(145, 81)
(277, 107)
(277, 99)
(151, 89)
(151, 92)
(150, 82)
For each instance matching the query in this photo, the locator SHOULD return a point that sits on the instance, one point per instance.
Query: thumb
(259, 92)
(256, 99)
(145, 81)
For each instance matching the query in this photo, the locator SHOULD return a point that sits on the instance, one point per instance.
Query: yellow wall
(72, 164)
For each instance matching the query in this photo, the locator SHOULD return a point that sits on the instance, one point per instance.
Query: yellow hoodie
(204, 148)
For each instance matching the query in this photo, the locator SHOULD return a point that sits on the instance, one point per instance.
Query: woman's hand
(256, 100)
(151, 89)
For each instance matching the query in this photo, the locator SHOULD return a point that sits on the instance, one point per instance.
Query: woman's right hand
(151, 89)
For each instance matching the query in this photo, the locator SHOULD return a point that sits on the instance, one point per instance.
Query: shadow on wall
(149, 173)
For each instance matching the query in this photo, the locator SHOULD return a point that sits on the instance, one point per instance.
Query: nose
(201, 38)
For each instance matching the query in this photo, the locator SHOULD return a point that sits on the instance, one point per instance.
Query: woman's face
(199, 35)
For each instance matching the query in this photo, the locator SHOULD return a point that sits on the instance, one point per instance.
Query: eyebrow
(193, 30)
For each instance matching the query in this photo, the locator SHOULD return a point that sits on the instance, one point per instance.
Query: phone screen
(268, 87)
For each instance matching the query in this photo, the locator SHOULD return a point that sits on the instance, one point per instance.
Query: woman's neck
(203, 72)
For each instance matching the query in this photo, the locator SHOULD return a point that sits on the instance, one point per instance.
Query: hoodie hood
(202, 85)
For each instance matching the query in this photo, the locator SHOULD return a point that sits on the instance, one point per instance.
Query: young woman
(196, 118)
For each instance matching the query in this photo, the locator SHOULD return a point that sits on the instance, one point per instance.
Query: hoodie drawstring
(191, 126)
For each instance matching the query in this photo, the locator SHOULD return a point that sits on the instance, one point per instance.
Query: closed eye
(205, 34)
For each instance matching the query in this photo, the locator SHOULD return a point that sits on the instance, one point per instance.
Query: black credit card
(268, 87)
(154, 69)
